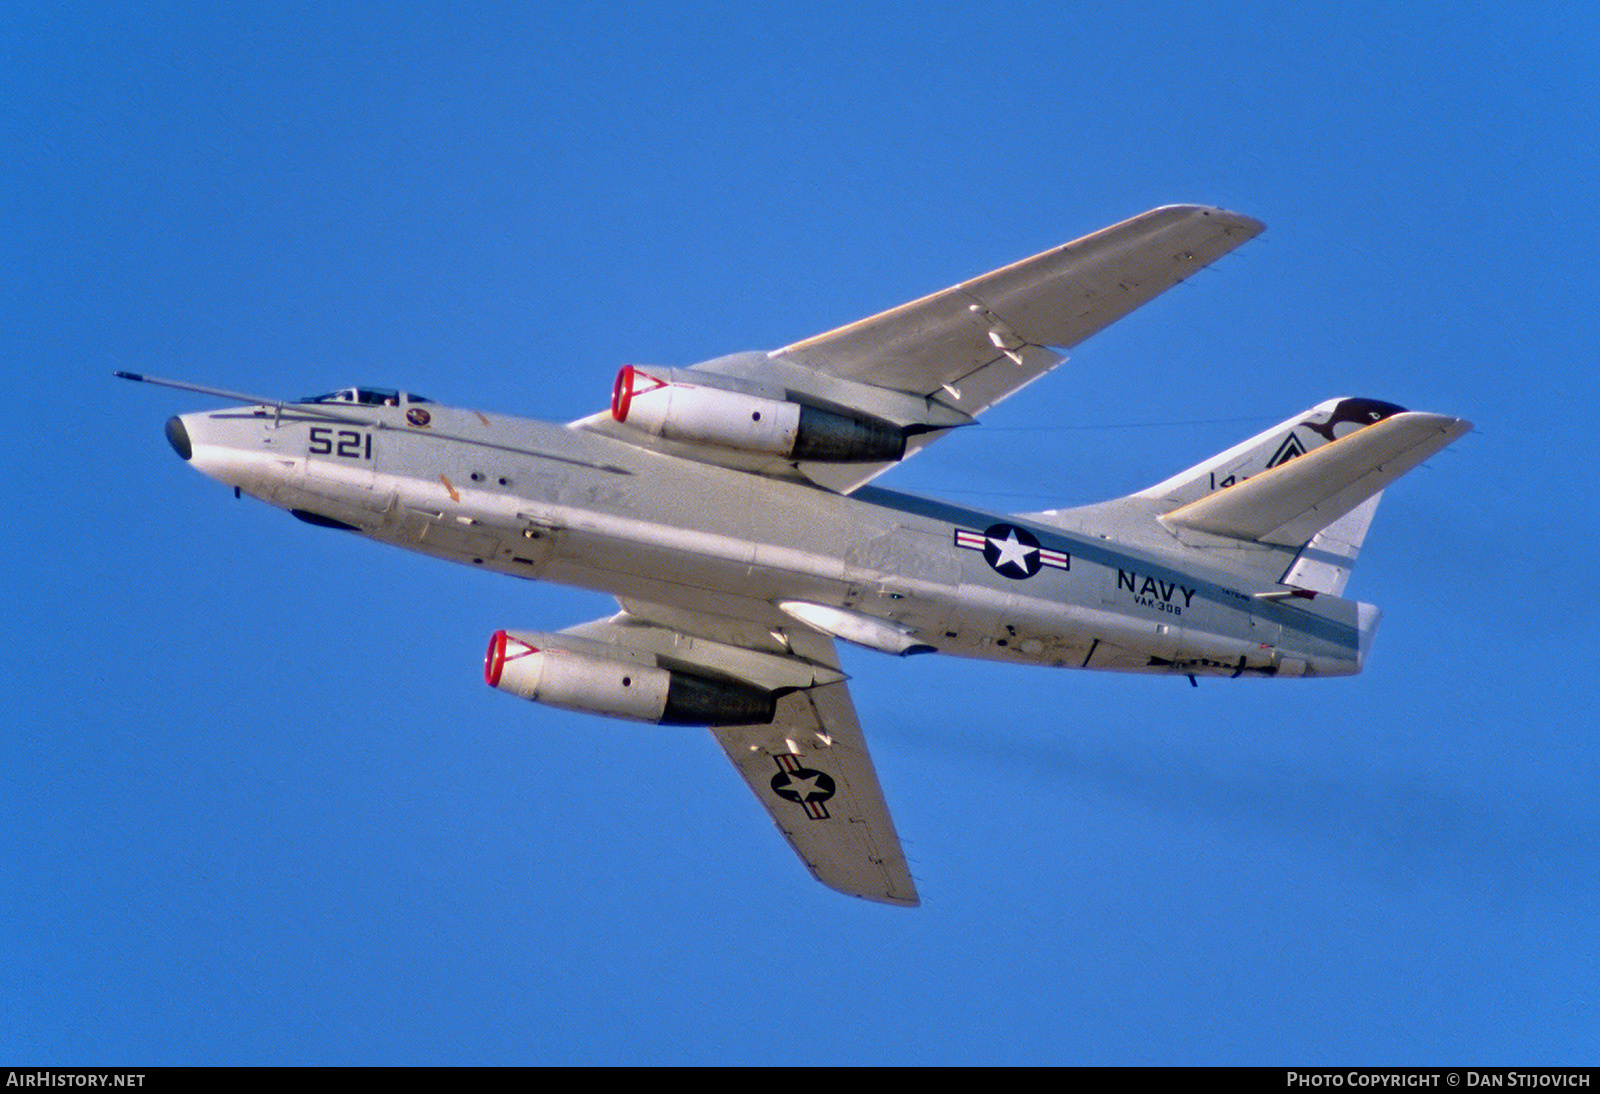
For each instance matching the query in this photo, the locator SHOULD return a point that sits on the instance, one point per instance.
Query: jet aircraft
(728, 508)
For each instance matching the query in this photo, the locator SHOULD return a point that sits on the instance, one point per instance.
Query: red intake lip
(622, 393)
(494, 661)
(630, 382)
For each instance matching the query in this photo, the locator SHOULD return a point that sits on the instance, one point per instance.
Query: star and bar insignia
(796, 783)
(1011, 551)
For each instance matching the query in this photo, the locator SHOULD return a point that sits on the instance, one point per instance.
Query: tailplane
(1309, 485)
(1322, 424)
(1291, 505)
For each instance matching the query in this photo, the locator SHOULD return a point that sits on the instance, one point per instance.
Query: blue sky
(260, 807)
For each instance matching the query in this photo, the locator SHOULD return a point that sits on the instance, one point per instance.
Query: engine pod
(618, 689)
(697, 414)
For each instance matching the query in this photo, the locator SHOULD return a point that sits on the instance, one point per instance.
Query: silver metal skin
(737, 561)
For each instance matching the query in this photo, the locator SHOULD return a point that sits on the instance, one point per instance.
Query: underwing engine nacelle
(731, 419)
(619, 689)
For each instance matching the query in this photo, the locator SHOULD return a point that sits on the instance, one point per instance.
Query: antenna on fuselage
(315, 410)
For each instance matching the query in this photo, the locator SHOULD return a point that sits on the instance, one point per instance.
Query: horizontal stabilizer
(1287, 504)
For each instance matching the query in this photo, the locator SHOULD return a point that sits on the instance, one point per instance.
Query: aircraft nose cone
(178, 438)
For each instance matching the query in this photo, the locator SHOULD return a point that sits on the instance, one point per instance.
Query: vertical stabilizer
(1322, 424)
(1324, 564)
(1291, 504)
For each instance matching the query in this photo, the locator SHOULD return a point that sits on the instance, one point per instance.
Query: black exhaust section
(321, 521)
(824, 435)
(178, 438)
(697, 701)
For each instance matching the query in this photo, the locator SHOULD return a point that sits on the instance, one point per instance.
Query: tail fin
(1324, 564)
(1283, 442)
(1306, 488)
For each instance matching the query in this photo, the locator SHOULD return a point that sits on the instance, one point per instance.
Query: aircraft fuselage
(538, 500)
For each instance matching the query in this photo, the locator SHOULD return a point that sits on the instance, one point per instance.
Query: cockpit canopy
(366, 396)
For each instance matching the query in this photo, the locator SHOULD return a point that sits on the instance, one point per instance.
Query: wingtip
(902, 894)
(912, 901)
(1237, 224)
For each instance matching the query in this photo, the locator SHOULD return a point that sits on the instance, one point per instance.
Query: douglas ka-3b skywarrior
(726, 507)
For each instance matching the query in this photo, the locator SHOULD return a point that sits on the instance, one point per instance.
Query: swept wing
(934, 364)
(962, 345)
(809, 767)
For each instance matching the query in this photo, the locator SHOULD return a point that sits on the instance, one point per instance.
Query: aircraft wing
(977, 342)
(811, 770)
(934, 364)
(810, 765)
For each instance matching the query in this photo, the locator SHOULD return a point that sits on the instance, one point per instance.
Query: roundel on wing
(803, 785)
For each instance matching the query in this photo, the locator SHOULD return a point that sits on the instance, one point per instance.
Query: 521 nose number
(351, 444)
